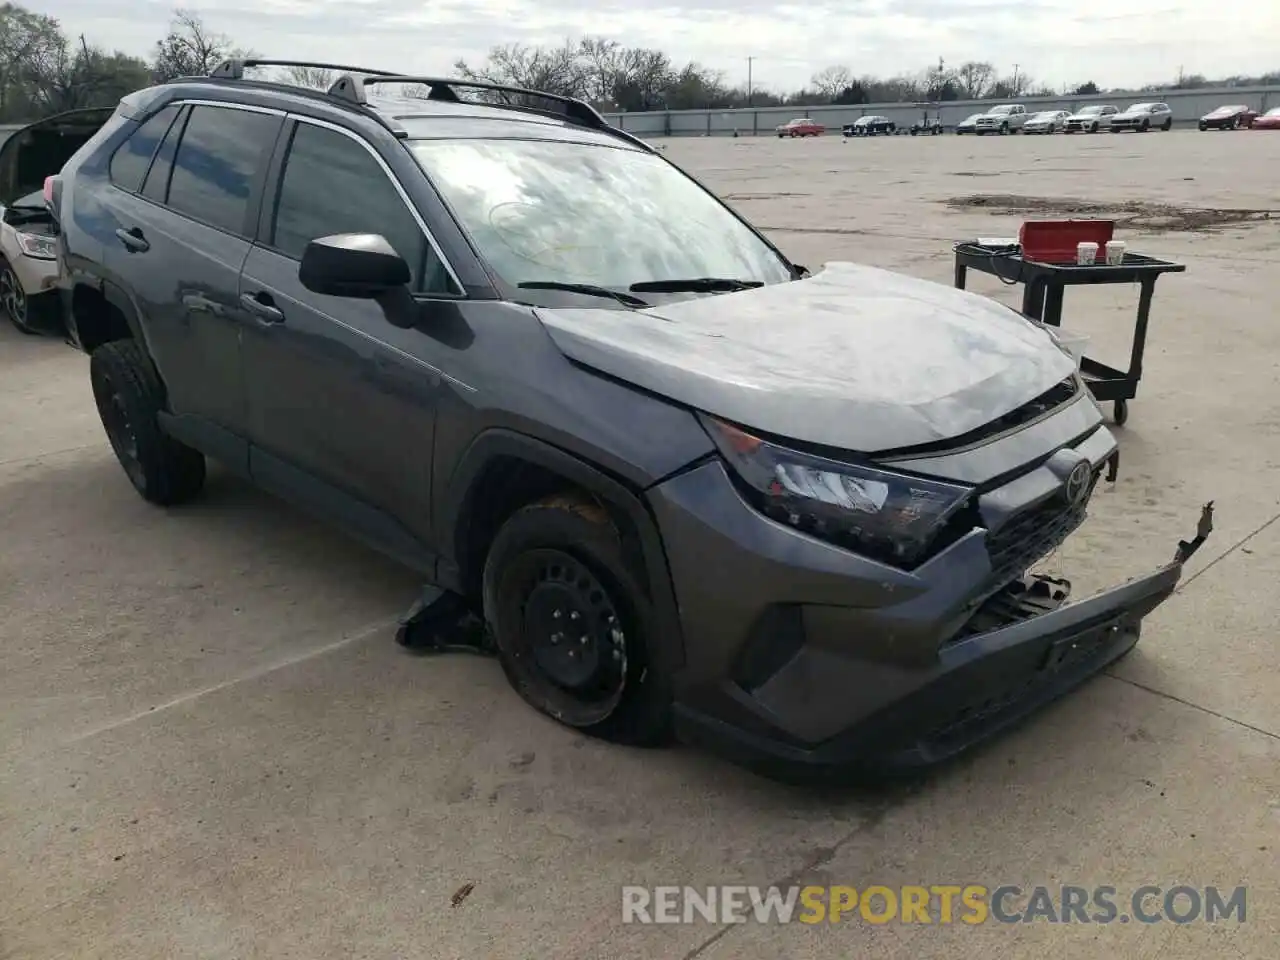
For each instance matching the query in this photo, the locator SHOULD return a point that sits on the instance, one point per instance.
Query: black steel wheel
(572, 624)
(129, 398)
(13, 300)
(1121, 412)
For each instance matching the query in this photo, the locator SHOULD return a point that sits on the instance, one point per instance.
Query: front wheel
(1146, 126)
(129, 400)
(13, 300)
(573, 626)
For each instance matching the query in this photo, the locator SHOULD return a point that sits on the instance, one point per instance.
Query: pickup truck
(1004, 119)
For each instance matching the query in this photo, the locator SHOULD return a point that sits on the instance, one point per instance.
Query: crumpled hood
(852, 357)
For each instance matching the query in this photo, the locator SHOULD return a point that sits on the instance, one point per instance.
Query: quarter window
(132, 158)
(332, 184)
(221, 151)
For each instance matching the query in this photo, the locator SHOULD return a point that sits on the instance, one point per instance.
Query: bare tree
(29, 44)
(830, 81)
(190, 49)
(553, 69)
(316, 78)
(602, 68)
(73, 77)
(974, 79)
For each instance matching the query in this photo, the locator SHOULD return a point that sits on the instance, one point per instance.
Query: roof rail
(445, 89)
(233, 69)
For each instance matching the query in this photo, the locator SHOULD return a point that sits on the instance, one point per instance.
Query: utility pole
(750, 60)
(1015, 92)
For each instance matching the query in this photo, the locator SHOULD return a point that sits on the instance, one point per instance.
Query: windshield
(1273, 112)
(1141, 108)
(1002, 110)
(541, 210)
(1090, 111)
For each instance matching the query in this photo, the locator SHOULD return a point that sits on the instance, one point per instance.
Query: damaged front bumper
(849, 687)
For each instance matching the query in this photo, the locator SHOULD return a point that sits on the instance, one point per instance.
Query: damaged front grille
(1032, 535)
(1023, 599)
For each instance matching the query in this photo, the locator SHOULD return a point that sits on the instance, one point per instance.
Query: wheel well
(97, 320)
(505, 485)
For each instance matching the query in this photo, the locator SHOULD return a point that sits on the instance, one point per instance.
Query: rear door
(182, 238)
(336, 393)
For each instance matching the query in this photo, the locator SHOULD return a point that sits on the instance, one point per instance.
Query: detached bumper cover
(908, 713)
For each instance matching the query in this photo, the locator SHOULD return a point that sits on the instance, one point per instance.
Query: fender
(497, 442)
(120, 299)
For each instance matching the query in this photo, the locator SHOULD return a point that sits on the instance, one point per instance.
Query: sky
(1115, 43)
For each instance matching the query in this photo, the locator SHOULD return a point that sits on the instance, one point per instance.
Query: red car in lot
(1269, 120)
(800, 127)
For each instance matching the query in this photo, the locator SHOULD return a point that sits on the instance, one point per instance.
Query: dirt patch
(1130, 215)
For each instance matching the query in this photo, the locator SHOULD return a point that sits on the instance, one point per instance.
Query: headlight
(891, 517)
(38, 245)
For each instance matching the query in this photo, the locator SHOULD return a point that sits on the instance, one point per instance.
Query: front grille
(1031, 535)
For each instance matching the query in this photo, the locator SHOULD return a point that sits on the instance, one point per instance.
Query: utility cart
(1043, 286)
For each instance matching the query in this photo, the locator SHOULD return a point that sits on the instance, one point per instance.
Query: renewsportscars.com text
(969, 904)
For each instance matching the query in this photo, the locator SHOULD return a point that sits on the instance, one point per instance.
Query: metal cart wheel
(1121, 412)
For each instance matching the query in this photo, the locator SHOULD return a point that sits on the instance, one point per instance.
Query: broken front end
(803, 652)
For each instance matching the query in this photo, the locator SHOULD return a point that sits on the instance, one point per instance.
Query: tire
(1146, 126)
(1004, 129)
(1203, 127)
(129, 398)
(561, 561)
(14, 300)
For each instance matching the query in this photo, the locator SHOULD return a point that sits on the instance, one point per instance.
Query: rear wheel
(572, 623)
(129, 399)
(13, 300)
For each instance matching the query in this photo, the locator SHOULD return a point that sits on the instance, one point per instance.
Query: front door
(335, 393)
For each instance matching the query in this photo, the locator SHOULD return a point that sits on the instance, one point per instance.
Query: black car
(869, 127)
(1231, 117)
(687, 485)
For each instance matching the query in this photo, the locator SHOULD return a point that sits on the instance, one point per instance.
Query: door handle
(133, 239)
(262, 307)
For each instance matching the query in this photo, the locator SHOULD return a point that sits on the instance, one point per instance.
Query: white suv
(1092, 118)
(1143, 117)
(1006, 118)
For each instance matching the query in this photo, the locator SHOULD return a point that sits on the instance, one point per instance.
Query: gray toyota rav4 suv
(688, 486)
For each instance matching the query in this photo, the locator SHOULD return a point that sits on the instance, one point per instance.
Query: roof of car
(356, 96)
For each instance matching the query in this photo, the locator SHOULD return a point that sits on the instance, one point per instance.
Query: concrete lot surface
(210, 746)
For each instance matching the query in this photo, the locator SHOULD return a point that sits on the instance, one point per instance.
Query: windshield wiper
(695, 285)
(585, 288)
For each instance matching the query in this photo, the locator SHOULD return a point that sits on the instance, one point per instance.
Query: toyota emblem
(1076, 489)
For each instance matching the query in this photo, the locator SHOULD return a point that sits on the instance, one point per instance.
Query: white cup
(1115, 253)
(1086, 253)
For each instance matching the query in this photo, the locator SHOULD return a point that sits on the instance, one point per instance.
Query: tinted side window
(220, 153)
(132, 158)
(156, 186)
(332, 184)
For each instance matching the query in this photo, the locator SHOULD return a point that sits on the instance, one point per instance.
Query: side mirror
(360, 265)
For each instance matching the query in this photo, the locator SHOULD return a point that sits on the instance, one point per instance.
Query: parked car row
(1009, 118)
